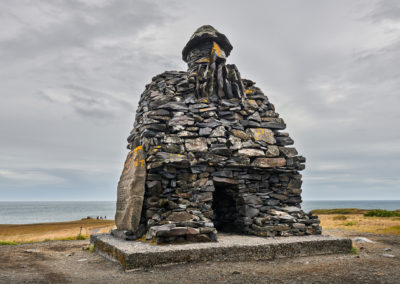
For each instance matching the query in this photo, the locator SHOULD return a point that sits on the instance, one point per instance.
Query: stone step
(135, 254)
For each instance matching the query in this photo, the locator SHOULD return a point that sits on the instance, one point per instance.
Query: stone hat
(206, 33)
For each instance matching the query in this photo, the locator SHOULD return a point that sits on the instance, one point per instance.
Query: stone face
(251, 152)
(262, 134)
(269, 162)
(218, 132)
(207, 155)
(205, 131)
(241, 134)
(288, 152)
(131, 188)
(272, 151)
(181, 120)
(196, 145)
(179, 216)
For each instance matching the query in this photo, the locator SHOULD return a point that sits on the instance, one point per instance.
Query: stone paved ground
(65, 261)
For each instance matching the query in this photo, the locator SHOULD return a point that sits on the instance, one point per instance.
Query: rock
(174, 106)
(211, 123)
(251, 152)
(82, 260)
(196, 145)
(269, 162)
(179, 216)
(362, 240)
(130, 192)
(218, 132)
(204, 197)
(170, 158)
(251, 200)
(180, 231)
(272, 151)
(250, 123)
(241, 134)
(291, 209)
(273, 125)
(173, 139)
(299, 226)
(157, 231)
(255, 116)
(248, 211)
(282, 141)
(181, 120)
(262, 134)
(272, 202)
(220, 150)
(288, 151)
(280, 197)
(235, 143)
(205, 131)
(187, 134)
(387, 249)
(388, 255)
(224, 180)
(31, 250)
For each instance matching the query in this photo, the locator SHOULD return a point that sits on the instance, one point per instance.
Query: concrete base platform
(135, 254)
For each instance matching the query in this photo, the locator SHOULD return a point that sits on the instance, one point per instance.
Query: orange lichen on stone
(216, 49)
(203, 60)
(137, 161)
(140, 147)
(258, 132)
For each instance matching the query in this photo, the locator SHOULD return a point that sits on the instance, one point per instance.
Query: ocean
(29, 212)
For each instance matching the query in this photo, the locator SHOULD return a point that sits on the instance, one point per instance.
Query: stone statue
(207, 153)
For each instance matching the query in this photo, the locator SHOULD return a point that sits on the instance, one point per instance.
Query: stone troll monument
(207, 155)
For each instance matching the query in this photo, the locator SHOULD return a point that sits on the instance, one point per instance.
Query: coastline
(351, 220)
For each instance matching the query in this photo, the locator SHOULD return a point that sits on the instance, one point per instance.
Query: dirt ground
(66, 262)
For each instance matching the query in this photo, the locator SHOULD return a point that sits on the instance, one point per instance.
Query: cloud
(75, 71)
(35, 177)
(88, 102)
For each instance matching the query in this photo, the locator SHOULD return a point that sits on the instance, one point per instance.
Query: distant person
(105, 217)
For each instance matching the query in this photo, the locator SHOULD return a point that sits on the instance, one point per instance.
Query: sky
(73, 71)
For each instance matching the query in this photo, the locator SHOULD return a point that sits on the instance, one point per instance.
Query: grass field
(53, 231)
(360, 223)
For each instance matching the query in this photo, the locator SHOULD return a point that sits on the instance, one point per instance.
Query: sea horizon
(30, 212)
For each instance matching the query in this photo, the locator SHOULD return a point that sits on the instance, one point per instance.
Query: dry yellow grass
(53, 231)
(359, 223)
(69, 230)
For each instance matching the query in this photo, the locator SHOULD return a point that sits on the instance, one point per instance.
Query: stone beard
(207, 153)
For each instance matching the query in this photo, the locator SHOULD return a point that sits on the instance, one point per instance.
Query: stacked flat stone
(208, 153)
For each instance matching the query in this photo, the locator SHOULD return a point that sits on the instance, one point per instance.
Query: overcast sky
(72, 72)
